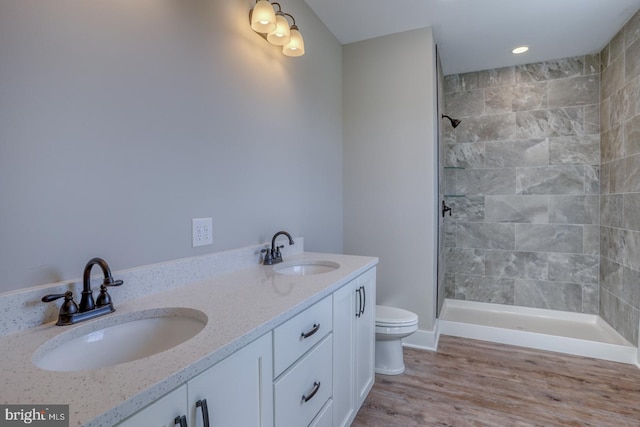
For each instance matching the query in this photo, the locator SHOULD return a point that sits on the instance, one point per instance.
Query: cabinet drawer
(289, 342)
(325, 417)
(310, 379)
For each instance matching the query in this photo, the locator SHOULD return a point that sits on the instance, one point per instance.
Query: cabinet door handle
(364, 300)
(359, 296)
(316, 387)
(182, 421)
(205, 411)
(316, 327)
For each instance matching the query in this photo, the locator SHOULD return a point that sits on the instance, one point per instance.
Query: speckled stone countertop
(240, 306)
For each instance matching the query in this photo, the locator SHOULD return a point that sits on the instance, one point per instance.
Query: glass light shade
(263, 17)
(281, 34)
(295, 47)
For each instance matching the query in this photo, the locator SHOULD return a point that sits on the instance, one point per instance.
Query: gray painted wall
(390, 165)
(121, 121)
(620, 200)
(525, 229)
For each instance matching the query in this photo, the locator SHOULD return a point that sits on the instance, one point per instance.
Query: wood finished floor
(475, 383)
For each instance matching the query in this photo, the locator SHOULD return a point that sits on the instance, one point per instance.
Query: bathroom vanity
(283, 349)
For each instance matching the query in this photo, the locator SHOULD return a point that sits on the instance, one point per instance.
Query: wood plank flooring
(475, 383)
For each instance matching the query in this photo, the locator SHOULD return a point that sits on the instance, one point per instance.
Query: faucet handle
(108, 281)
(53, 297)
(268, 256)
(278, 255)
(68, 307)
(104, 298)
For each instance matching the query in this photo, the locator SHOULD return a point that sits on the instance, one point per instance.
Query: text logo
(34, 415)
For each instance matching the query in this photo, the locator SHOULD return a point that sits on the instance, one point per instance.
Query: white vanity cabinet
(237, 389)
(237, 392)
(353, 346)
(304, 389)
(161, 413)
(325, 417)
(299, 334)
(314, 370)
(303, 348)
(365, 337)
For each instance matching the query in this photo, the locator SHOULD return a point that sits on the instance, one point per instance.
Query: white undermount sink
(118, 339)
(306, 268)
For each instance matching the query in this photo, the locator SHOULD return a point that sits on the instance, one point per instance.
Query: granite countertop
(240, 306)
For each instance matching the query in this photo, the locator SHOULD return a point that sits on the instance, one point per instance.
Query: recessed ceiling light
(520, 49)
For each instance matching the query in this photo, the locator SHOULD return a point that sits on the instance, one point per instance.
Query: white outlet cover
(202, 231)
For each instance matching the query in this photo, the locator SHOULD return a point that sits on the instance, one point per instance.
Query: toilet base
(389, 357)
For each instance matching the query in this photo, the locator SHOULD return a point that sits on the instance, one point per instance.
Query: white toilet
(392, 324)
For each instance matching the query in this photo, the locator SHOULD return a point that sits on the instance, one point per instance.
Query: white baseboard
(424, 340)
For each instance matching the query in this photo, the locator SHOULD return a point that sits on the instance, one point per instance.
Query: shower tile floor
(477, 383)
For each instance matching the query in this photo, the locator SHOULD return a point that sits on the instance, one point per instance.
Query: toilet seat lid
(394, 316)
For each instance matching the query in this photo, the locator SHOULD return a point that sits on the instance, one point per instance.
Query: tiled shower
(620, 181)
(543, 180)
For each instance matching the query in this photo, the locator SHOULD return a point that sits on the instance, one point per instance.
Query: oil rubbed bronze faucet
(273, 255)
(71, 313)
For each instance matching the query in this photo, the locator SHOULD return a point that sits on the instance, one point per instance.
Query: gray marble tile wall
(522, 176)
(620, 181)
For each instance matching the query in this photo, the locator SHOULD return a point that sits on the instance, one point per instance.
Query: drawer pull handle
(316, 328)
(182, 421)
(316, 387)
(205, 411)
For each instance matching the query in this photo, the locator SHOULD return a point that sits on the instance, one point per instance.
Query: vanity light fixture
(520, 49)
(295, 47)
(274, 26)
(263, 17)
(281, 34)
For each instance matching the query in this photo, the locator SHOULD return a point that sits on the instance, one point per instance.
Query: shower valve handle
(445, 209)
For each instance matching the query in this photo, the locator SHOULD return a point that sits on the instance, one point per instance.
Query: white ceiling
(475, 35)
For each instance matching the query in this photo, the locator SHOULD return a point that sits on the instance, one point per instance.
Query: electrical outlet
(202, 229)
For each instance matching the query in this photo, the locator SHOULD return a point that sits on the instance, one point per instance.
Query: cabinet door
(365, 337)
(162, 412)
(345, 310)
(237, 390)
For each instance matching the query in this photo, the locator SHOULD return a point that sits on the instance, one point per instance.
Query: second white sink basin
(118, 339)
(306, 268)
